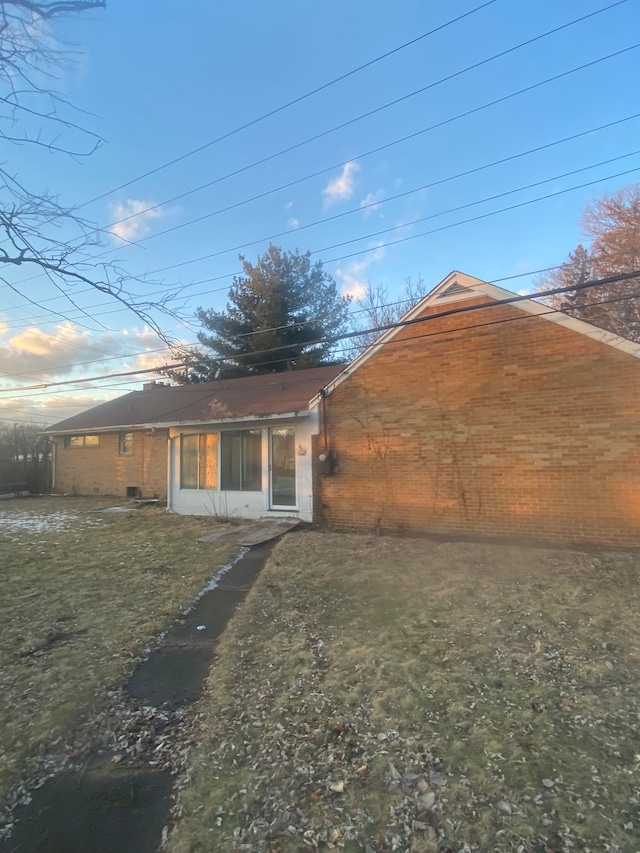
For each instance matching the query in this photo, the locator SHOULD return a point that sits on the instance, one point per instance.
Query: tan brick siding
(519, 428)
(102, 470)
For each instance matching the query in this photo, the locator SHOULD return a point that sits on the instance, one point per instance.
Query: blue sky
(158, 80)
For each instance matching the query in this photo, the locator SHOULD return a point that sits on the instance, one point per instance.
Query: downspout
(52, 467)
(170, 473)
(323, 395)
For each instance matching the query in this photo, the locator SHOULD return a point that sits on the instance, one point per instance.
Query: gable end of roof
(458, 286)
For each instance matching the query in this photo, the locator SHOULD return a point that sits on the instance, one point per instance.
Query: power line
(473, 204)
(395, 142)
(374, 111)
(415, 236)
(423, 218)
(90, 361)
(429, 232)
(357, 349)
(430, 185)
(436, 230)
(292, 102)
(373, 151)
(462, 207)
(354, 334)
(378, 149)
(453, 311)
(500, 322)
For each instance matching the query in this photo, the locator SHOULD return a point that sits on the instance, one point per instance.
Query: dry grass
(364, 673)
(82, 595)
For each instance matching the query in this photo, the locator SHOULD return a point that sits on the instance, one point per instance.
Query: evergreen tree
(280, 315)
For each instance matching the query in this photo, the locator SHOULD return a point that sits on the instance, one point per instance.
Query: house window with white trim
(241, 460)
(199, 461)
(125, 443)
(81, 441)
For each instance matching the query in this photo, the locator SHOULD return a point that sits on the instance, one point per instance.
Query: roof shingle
(250, 396)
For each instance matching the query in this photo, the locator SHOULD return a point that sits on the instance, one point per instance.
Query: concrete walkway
(115, 806)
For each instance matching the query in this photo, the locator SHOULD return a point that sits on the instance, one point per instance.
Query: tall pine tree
(280, 315)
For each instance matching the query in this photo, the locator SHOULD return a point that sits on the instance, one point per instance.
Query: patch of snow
(51, 522)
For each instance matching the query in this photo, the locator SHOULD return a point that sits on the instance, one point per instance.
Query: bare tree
(375, 310)
(611, 223)
(34, 225)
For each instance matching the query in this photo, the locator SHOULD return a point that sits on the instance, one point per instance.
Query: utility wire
(395, 142)
(473, 204)
(369, 153)
(375, 248)
(372, 112)
(376, 150)
(357, 349)
(347, 335)
(362, 207)
(450, 225)
(421, 219)
(292, 102)
(482, 216)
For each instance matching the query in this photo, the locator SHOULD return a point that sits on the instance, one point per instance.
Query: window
(199, 461)
(125, 443)
(241, 460)
(81, 441)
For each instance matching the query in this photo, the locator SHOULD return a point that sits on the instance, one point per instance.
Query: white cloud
(370, 202)
(68, 353)
(343, 187)
(288, 205)
(353, 278)
(293, 222)
(35, 354)
(50, 409)
(379, 253)
(138, 225)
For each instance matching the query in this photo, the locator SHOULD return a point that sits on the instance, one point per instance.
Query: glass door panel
(283, 467)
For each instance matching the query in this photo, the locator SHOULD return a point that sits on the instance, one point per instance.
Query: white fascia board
(169, 424)
(532, 306)
(417, 309)
(95, 430)
(237, 420)
(477, 287)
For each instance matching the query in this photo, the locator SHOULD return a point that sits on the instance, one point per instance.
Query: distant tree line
(24, 459)
(611, 226)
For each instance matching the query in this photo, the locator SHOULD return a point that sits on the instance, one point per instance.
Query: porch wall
(245, 504)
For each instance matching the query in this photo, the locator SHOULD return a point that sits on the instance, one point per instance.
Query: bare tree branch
(34, 225)
(611, 224)
(375, 311)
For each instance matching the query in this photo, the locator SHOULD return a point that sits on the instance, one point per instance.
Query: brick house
(507, 420)
(231, 447)
(478, 416)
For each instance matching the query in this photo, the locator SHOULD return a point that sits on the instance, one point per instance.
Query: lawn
(82, 594)
(381, 694)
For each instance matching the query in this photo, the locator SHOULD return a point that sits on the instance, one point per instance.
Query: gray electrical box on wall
(327, 462)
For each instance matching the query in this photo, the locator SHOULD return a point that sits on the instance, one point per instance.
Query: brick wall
(520, 428)
(102, 470)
